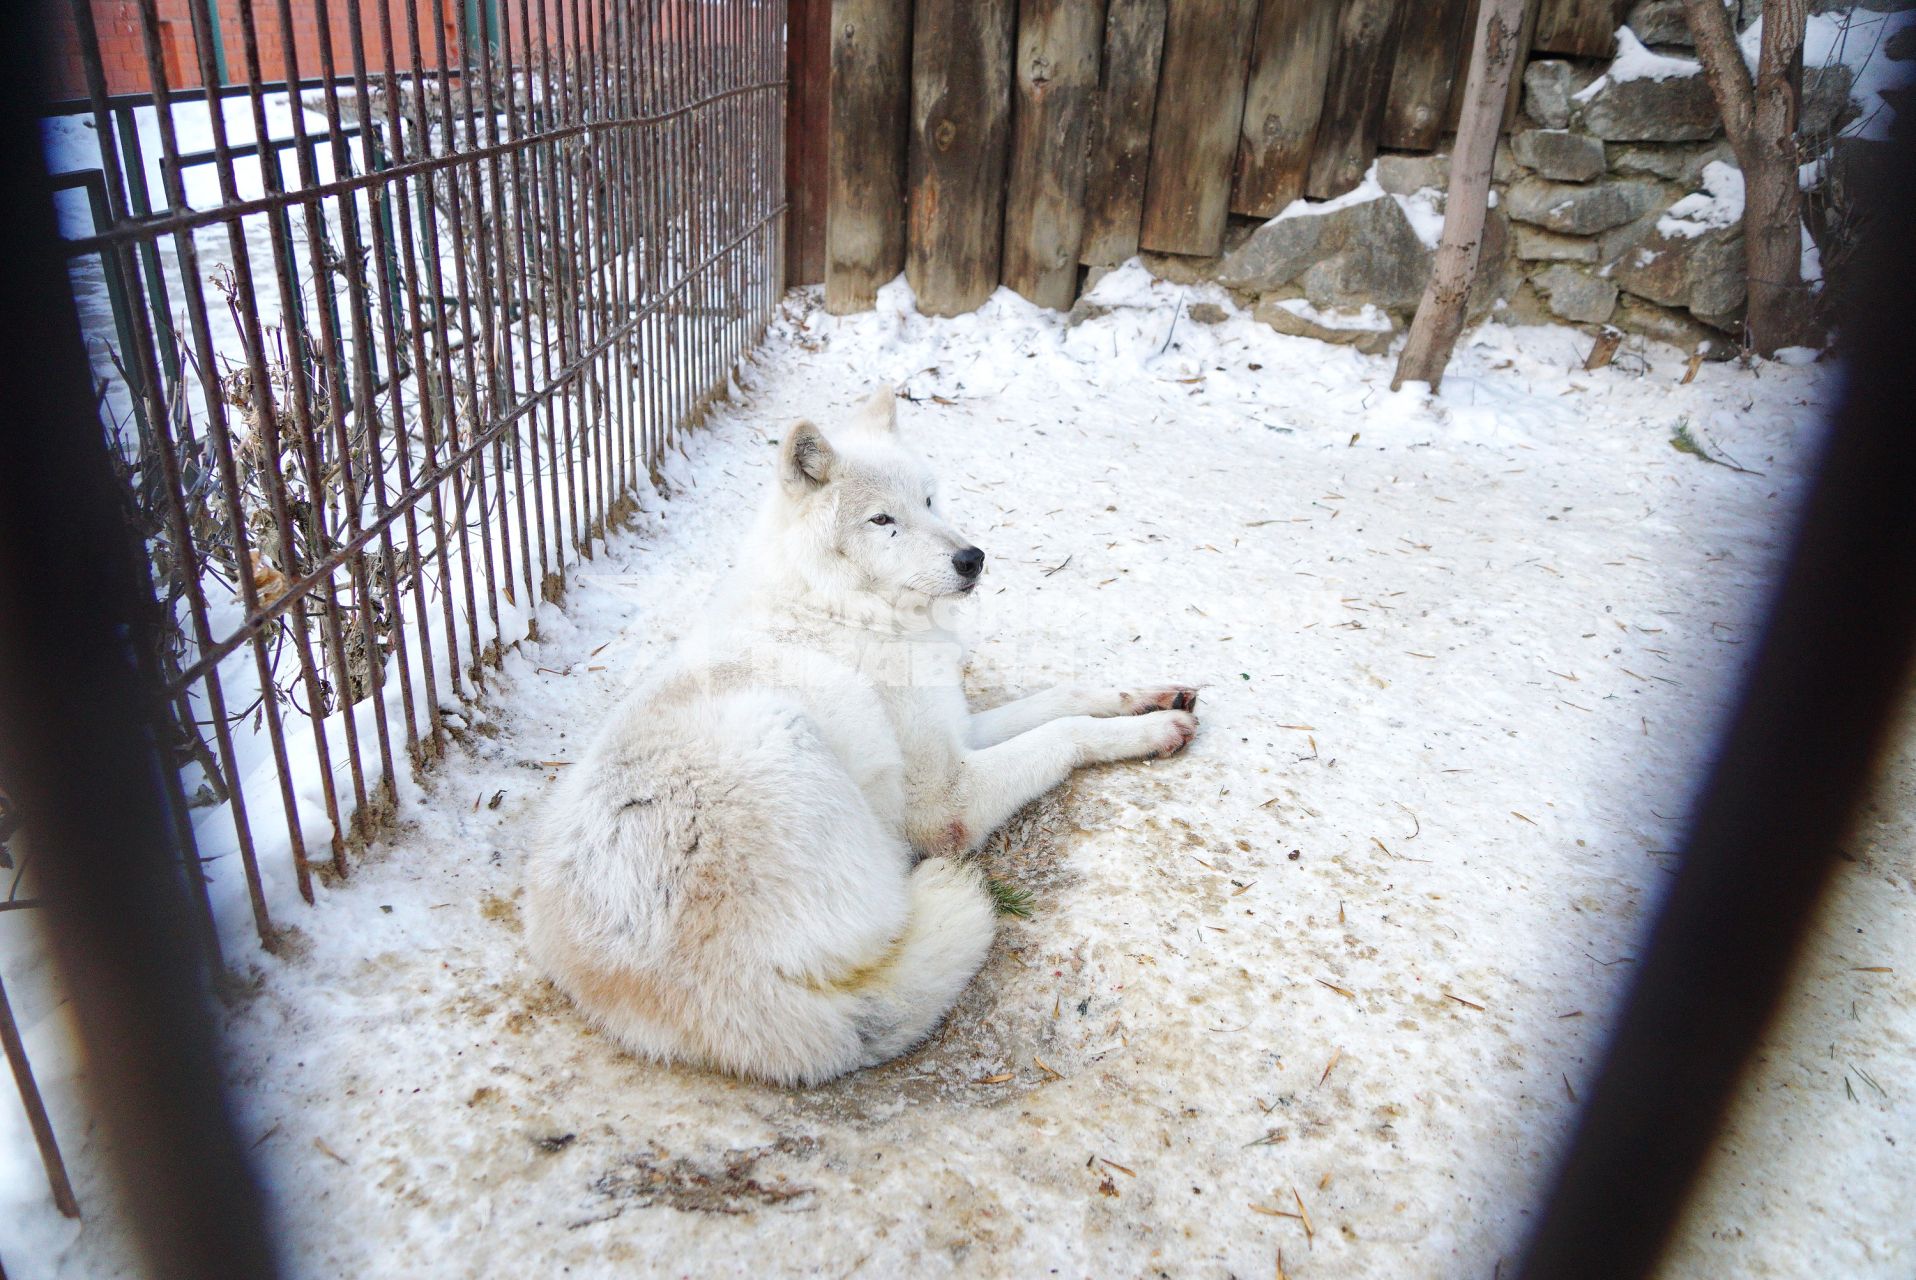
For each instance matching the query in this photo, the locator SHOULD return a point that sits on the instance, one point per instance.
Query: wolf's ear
(879, 415)
(805, 459)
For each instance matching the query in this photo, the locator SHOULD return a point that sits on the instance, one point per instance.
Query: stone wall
(1617, 201)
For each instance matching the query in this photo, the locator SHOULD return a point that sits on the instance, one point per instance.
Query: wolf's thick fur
(727, 877)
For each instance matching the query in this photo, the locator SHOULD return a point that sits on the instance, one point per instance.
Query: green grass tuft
(1009, 898)
(1683, 442)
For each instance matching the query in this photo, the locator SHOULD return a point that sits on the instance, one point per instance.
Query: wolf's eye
(928, 500)
(881, 520)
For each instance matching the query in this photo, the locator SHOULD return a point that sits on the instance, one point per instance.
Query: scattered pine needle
(1348, 995)
(1566, 1087)
(1280, 1263)
(1269, 1212)
(1301, 728)
(1047, 1068)
(1527, 818)
(1460, 1000)
(1324, 1181)
(328, 1151)
(1871, 968)
(1330, 1066)
(1310, 1233)
(1129, 1173)
(1000, 1078)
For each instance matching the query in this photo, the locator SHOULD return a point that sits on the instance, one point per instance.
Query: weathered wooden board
(1514, 99)
(1054, 79)
(1354, 96)
(1119, 154)
(959, 126)
(865, 211)
(808, 66)
(1432, 56)
(1526, 41)
(1207, 58)
(1290, 60)
(1579, 28)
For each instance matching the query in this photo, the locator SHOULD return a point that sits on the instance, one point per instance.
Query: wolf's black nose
(969, 563)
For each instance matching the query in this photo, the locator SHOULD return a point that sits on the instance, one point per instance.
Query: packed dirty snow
(1352, 955)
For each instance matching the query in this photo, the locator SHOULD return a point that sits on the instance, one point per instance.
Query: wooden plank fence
(980, 142)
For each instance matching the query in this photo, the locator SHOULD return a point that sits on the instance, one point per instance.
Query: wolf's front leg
(995, 782)
(1002, 723)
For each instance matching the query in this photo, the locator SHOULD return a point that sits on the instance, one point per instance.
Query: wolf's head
(859, 513)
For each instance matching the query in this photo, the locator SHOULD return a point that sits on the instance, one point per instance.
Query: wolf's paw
(1172, 730)
(1174, 697)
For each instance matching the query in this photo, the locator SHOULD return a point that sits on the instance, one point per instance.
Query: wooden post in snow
(1207, 54)
(1055, 75)
(960, 125)
(865, 203)
(808, 75)
(1440, 316)
(1120, 148)
(1290, 61)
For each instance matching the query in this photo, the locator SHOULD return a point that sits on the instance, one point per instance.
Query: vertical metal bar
(548, 239)
(34, 1105)
(312, 439)
(566, 207)
(137, 201)
(187, 254)
(393, 294)
(353, 484)
(524, 436)
(437, 418)
(397, 289)
(525, 188)
(477, 484)
(285, 267)
(377, 208)
(497, 301)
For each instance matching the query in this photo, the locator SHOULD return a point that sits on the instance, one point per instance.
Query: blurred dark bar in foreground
(80, 758)
(1779, 801)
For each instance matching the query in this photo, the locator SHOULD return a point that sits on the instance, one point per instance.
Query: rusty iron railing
(387, 332)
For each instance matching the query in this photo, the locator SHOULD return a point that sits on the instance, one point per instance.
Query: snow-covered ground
(1328, 983)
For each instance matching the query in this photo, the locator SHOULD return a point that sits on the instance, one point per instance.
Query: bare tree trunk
(1440, 316)
(1760, 119)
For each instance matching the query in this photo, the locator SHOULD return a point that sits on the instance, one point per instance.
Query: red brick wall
(123, 51)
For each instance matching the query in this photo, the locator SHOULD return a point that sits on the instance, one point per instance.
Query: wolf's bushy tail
(947, 936)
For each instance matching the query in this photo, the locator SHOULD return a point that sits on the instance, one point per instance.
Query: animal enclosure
(390, 314)
(988, 142)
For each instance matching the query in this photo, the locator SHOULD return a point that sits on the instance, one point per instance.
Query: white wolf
(727, 877)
